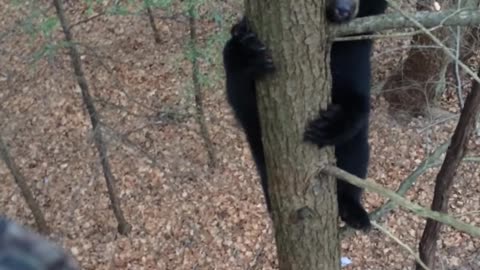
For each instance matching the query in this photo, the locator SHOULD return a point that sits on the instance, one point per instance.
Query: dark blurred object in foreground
(21, 249)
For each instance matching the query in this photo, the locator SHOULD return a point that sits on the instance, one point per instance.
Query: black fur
(343, 124)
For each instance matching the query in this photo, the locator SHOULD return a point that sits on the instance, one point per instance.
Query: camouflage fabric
(21, 249)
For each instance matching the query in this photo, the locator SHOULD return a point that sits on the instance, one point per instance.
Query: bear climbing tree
(344, 124)
(297, 209)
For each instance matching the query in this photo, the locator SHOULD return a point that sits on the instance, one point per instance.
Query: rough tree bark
(445, 177)
(421, 80)
(304, 206)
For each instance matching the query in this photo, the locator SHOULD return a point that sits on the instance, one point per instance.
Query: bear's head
(342, 10)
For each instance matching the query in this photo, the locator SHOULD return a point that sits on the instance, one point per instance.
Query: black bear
(343, 124)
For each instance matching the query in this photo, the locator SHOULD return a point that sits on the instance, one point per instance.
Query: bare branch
(402, 244)
(413, 207)
(86, 20)
(427, 163)
(390, 21)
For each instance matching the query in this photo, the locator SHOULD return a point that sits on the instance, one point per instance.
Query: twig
(406, 184)
(129, 144)
(471, 159)
(411, 179)
(457, 69)
(86, 20)
(413, 207)
(438, 122)
(402, 244)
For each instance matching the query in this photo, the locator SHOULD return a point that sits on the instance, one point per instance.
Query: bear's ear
(340, 11)
(241, 27)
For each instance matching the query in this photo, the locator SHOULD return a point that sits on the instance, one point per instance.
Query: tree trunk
(421, 80)
(19, 178)
(446, 175)
(123, 226)
(304, 207)
(197, 88)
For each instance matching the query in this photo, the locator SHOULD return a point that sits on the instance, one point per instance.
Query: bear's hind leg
(353, 157)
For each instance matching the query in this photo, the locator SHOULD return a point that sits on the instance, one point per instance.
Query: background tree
(23, 185)
(123, 226)
(444, 181)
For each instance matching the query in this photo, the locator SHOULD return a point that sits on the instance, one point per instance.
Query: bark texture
(304, 206)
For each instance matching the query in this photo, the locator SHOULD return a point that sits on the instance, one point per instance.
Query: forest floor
(184, 215)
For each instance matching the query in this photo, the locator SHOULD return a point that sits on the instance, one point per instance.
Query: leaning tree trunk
(446, 175)
(420, 81)
(304, 207)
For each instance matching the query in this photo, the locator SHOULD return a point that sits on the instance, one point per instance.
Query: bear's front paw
(256, 54)
(329, 127)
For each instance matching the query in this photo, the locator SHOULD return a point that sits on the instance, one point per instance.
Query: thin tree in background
(123, 226)
(197, 88)
(446, 175)
(24, 189)
(151, 20)
(304, 207)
